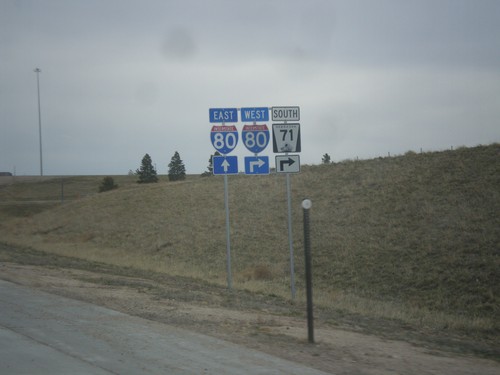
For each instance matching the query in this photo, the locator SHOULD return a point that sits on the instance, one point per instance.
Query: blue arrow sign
(255, 114)
(256, 165)
(225, 164)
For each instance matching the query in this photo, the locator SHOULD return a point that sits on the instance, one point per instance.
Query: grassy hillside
(414, 237)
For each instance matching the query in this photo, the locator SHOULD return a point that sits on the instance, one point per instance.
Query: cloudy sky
(123, 78)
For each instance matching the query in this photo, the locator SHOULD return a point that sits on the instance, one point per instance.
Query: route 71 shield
(286, 138)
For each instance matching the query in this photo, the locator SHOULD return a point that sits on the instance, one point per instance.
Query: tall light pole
(37, 71)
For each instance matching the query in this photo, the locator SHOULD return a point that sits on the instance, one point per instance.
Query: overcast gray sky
(123, 78)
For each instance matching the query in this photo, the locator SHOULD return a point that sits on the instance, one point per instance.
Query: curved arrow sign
(256, 165)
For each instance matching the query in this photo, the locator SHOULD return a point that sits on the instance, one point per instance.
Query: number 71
(285, 131)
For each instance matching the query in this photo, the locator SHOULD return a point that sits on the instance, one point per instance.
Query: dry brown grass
(414, 238)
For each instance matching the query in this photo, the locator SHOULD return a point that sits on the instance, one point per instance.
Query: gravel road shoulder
(269, 328)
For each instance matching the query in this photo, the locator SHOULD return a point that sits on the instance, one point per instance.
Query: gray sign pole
(228, 236)
(37, 71)
(290, 236)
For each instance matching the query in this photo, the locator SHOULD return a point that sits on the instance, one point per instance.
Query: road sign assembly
(287, 163)
(256, 165)
(225, 165)
(286, 138)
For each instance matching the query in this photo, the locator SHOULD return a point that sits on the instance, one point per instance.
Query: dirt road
(268, 328)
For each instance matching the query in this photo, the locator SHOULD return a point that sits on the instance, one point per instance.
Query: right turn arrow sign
(288, 164)
(288, 161)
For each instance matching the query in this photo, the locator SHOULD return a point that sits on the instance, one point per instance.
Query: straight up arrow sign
(225, 165)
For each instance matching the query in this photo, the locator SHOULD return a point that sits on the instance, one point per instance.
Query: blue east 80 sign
(224, 138)
(255, 137)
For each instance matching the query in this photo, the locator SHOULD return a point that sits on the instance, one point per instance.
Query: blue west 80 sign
(255, 137)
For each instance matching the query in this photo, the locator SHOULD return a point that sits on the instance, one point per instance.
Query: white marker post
(306, 206)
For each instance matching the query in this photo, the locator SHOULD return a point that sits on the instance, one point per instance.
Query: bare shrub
(262, 272)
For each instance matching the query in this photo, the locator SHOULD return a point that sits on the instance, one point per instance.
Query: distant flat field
(6, 180)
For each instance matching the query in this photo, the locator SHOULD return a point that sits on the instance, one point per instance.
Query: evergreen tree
(107, 184)
(210, 168)
(146, 173)
(326, 159)
(176, 168)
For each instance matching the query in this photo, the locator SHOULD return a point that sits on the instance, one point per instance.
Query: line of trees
(326, 159)
(147, 171)
(177, 170)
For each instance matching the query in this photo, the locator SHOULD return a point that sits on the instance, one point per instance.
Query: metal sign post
(224, 139)
(286, 138)
(228, 236)
(290, 235)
